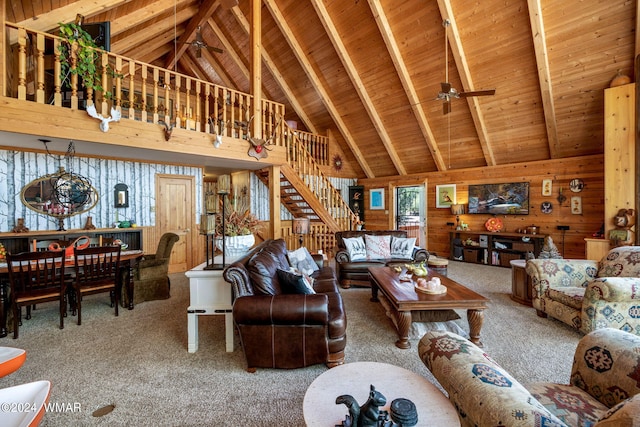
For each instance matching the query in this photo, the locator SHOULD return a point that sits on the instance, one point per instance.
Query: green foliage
(88, 64)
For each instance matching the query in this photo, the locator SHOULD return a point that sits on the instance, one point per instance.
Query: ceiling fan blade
(199, 35)
(478, 93)
(198, 53)
(446, 107)
(446, 87)
(215, 49)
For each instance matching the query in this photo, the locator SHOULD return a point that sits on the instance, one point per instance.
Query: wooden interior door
(174, 213)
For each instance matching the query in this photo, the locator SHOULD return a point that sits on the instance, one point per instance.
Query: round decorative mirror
(60, 195)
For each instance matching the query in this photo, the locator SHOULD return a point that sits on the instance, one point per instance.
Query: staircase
(306, 192)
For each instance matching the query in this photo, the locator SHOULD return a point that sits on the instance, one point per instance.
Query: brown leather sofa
(284, 330)
(356, 273)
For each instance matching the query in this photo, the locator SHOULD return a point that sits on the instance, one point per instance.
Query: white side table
(209, 294)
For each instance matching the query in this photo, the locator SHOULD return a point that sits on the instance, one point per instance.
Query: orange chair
(11, 359)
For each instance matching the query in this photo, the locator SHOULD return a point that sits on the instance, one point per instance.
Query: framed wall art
(445, 195)
(547, 187)
(576, 205)
(376, 199)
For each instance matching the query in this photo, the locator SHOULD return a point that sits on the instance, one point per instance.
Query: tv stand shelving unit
(511, 246)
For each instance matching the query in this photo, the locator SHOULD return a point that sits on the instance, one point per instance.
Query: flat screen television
(498, 199)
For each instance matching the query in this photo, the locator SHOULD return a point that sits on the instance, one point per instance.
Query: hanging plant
(88, 58)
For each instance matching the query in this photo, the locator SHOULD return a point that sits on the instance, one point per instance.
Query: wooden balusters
(57, 69)
(132, 89)
(40, 68)
(143, 93)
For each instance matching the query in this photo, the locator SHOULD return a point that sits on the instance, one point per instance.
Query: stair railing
(301, 160)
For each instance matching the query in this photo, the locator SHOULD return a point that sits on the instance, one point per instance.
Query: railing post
(57, 69)
(132, 88)
(40, 67)
(22, 64)
(143, 93)
(118, 88)
(156, 77)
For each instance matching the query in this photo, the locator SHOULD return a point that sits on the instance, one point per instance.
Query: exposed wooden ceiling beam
(222, 73)
(49, 21)
(544, 75)
(317, 84)
(205, 10)
(140, 16)
(277, 74)
(358, 84)
(460, 58)
(163, 28)
(228, 49)
(407, 83)
(143, 49)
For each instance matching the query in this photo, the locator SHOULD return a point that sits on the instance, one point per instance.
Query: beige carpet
(139, 362)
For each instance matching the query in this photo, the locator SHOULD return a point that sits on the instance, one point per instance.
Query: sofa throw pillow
(378, 247)
(356, 249)
(302, 260)
(292, 283)
(402, 247)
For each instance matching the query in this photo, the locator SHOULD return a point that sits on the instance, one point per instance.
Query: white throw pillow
(402, 247)
(378, 247)
(302, 260)
(355, 247)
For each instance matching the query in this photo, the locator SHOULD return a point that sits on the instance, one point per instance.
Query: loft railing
(316, 145)
(305, 165)
(141, 91)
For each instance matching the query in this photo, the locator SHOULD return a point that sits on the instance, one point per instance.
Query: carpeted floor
(139, 360)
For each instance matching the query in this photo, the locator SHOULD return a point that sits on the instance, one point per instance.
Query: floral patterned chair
(602, 391)
(590, 295)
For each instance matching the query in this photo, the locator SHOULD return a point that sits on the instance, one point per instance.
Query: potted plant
(239, 228)
(79, 45)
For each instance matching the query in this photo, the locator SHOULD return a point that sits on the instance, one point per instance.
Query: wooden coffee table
(400, 299)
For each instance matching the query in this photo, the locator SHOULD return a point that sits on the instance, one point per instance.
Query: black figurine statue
(365, 415)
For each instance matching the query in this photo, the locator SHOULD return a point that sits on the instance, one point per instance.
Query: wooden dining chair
(97, 270)
(46, 245)
(36, 277)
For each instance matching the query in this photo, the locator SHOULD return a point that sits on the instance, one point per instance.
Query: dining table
(128, 261)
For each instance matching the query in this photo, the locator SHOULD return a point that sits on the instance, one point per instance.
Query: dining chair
(97, 270)
(36, 277)
(46, 245)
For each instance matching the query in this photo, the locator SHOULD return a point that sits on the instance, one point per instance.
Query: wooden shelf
(20, 242)
(493, 248)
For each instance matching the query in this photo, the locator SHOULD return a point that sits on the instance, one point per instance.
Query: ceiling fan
(446, 90)
(199, 44)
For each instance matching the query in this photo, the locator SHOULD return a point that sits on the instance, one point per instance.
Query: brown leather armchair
(150, 277)
(284, 330)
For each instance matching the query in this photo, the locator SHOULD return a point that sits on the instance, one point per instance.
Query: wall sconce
(301, 226)
(121, 196)
(457, 210)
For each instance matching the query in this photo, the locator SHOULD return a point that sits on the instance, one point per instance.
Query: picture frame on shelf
(376, 199)
(445, 195)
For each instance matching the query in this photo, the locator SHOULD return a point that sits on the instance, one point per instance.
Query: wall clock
(576, 185)
(546, 207)
(337, 162)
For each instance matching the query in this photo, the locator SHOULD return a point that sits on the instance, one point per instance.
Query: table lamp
(301, 226)
(457, 210)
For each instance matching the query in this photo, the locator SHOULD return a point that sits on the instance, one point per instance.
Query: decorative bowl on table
(442, 289)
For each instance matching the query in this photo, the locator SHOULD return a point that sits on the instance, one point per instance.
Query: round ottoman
(438, 265)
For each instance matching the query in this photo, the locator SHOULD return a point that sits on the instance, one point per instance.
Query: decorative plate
(494, 224)
(442, 289)
(546, 207)
(576, 185)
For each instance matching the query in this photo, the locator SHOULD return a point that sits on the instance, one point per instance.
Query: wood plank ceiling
(369, 71)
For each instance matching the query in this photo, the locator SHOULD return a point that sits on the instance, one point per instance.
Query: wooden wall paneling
(619, 152)
(561, 171)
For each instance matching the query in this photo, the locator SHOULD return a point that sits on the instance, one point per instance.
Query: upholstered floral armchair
(590, 295)
(602, 391)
